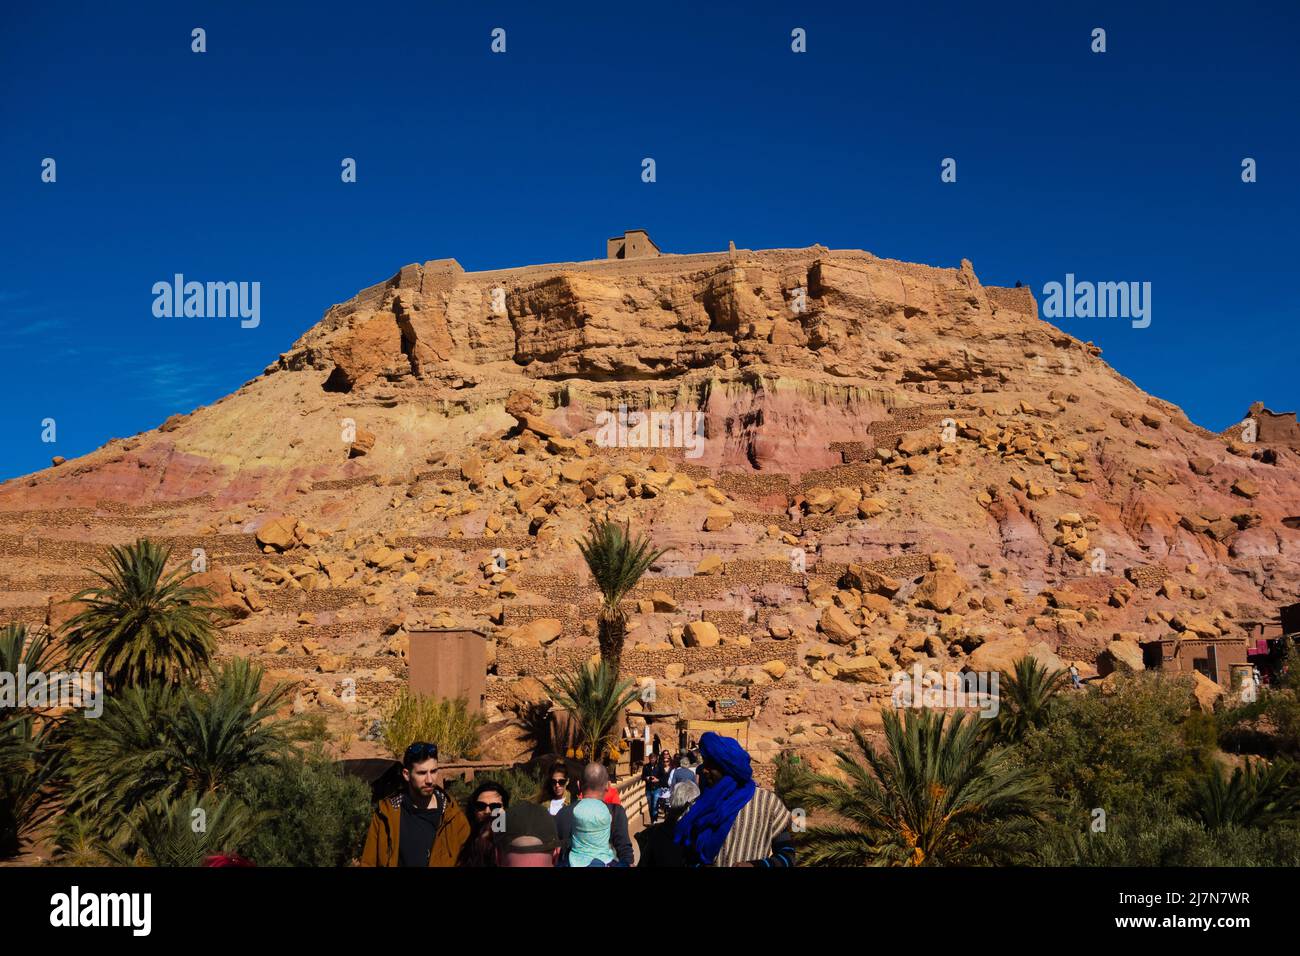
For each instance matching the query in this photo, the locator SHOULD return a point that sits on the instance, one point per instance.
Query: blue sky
(1122, 166)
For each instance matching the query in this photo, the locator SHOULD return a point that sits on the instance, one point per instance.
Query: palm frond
(617, 561)
(1251, 797)
(938, 793)
(1025, 698)
(185, 831)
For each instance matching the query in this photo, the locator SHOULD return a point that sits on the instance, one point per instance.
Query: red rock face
(853, 410)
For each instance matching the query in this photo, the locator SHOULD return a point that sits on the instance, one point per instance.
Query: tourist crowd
(713, 814)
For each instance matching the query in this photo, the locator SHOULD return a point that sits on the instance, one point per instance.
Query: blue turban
(704, 827)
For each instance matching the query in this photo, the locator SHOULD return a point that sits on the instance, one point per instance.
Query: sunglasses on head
(420, 751)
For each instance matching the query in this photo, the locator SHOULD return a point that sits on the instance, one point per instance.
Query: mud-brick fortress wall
(1017, 300)
(544, 662)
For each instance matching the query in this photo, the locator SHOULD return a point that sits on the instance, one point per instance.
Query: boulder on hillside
(278, 533)
(837, 627)
(870, 581)
(701, 634)
(719, 519)
(775, 669)
(709, 564)
(1069, 600)
(663, 602)
(1195, 625)
(520, 404)
(1001, 655)
(1122, 656)
(862, 670)
(524, 693)
(228, 602)
(939, 590)
(678, 700)
(538, 633)
(362, 443)
(1205, 691)
(1246, 488)
(505, 740)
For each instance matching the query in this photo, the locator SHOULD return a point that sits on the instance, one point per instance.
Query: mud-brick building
(1275, 428)
(1216, 658)
(633, 244)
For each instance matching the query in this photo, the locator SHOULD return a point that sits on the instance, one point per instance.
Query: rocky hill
(872, 464)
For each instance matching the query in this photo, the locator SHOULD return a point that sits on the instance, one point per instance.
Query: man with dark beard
(420, 825)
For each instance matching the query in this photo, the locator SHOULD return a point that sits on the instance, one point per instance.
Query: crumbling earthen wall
(1017, 300)
(542, 662)
(1277, 427)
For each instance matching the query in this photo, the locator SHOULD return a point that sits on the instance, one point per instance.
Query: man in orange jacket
(421, 825)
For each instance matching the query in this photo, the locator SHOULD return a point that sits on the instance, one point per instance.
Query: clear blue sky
(225, 166)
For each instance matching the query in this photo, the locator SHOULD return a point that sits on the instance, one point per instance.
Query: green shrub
(521, 784)
(1130, 751)
(314, 814)
(1269, 726)
(446, 722)
(1168, 840)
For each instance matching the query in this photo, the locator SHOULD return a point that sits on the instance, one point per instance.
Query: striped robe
(759, 822)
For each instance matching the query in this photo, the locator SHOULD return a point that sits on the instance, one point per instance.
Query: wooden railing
(631, 794)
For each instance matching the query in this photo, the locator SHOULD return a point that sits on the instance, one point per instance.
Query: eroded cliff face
(989, 476)
(848, 314)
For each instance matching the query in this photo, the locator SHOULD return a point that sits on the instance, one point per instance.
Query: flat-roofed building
(633, 244)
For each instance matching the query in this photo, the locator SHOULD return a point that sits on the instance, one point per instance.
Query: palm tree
(617, 560)
(26, 765)
(185, 831)
(160, 741)
(143, 624)
(231, 727)
(942, 793)
(1253, 797)
(27, 759)
(19, 647)
(1025, 698)
(123, 758)
(594, 698)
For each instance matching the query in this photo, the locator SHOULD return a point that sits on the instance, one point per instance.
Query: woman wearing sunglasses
(488, 800)
(554, 794)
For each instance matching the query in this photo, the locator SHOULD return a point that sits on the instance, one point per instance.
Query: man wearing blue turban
(734, 822)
